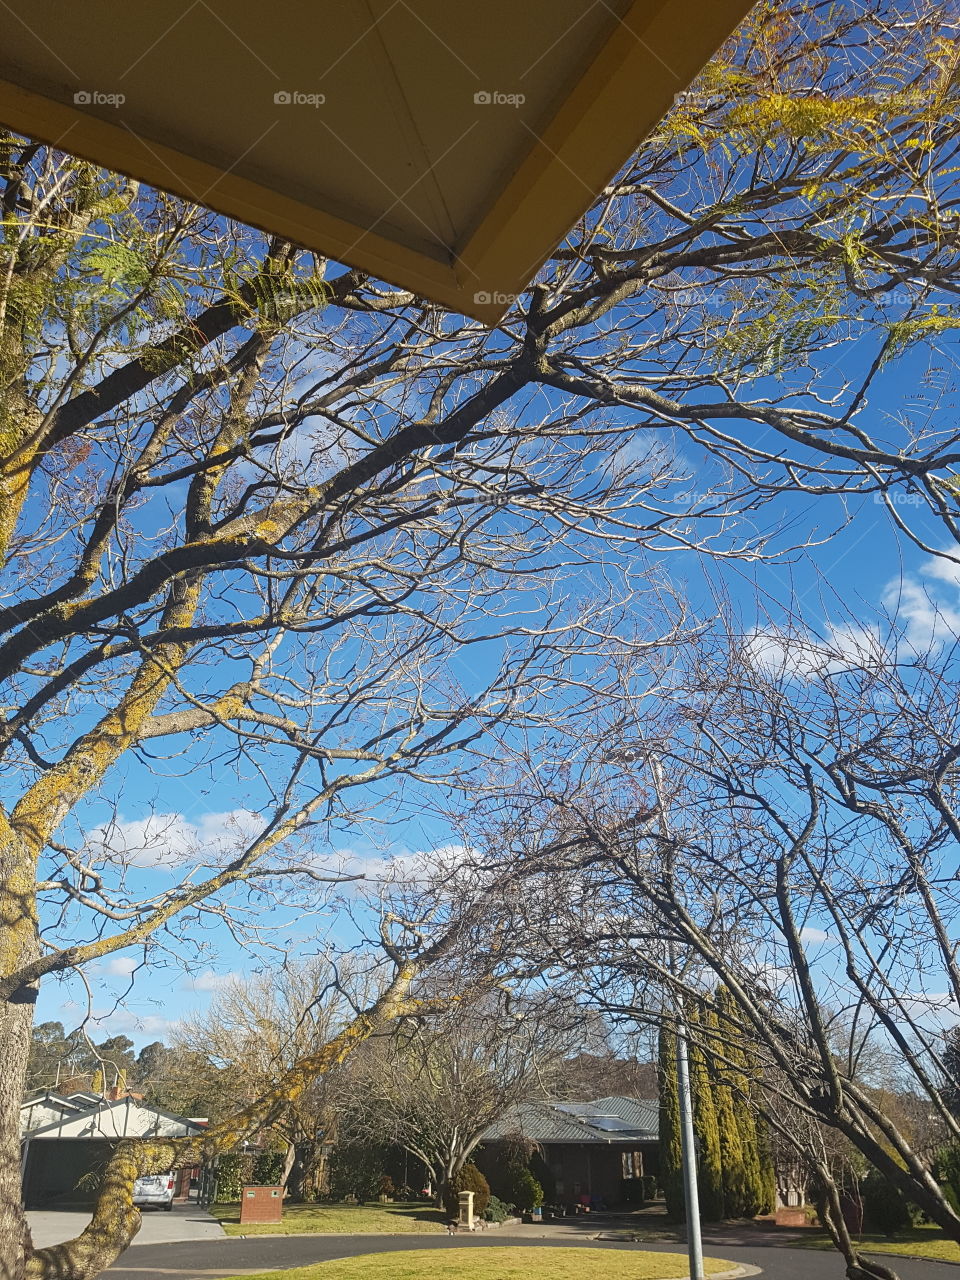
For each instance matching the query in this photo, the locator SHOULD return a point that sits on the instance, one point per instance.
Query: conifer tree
(759, 1179)
(707, 1130)
(671, 1174)
(737, 1153)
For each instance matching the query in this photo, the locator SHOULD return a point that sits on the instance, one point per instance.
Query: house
(66, 1142)
(599, 1150)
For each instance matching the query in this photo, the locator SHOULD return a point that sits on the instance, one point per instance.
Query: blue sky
(862, 568)
(859, 566)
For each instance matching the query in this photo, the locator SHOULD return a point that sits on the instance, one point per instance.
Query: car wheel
(169, 1207)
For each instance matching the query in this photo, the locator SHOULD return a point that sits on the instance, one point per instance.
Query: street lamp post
(688, 1151)
(688, 1143)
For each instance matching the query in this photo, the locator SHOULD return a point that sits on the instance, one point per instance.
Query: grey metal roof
(625, 1121)
(642, 1113)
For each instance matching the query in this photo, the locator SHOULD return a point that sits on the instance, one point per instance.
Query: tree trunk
(19, 946)
(306, 1178)
(16, 1022)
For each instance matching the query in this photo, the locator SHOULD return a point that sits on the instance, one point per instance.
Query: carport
(62, 1161)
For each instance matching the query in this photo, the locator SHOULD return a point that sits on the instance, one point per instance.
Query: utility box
(466, 1210)
(261, 1204)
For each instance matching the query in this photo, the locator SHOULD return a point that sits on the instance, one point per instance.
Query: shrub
(542, 1172)
(230, 1176)
(884, 1208)
(948, 1170)
(950, 1195)
(468, 1179)
(526, 1192)
(356, 1169)
(268, 1168)
(497, 1211)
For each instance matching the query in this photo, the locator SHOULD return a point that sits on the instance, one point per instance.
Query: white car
(155, 1188)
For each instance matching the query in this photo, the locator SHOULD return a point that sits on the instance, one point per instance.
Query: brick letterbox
(261, 1204)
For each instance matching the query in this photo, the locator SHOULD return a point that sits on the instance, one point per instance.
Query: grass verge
(918, 1242)
(500, 1264)
(398, 1218)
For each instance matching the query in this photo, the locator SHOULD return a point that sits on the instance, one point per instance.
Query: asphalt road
(208, 1259)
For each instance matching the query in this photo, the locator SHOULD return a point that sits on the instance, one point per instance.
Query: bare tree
(437, 1084)
(778, 825)
(276, 534)
(256, 1031)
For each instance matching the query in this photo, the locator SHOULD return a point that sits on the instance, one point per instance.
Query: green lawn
(344, 1219)
(500, 1264)
(918, 1242)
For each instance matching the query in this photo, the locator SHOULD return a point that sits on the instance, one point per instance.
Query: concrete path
(184, 1222)
(210, 1259)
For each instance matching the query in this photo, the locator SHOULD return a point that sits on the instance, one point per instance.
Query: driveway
(234, 1256)
(184, 1222)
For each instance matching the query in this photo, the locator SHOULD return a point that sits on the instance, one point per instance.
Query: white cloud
(784, 656)
(927, 621)
(810, 935)
(121, 966)
(799, 656)
(944, 568)
(151, 1024)
(443, 865)
(171, 840)
(209, 981)
(936, 1008)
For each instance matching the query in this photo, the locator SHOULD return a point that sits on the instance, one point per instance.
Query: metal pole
(688, 1144)
(688, 1148)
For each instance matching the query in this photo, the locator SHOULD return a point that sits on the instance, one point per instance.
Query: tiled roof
(606, 1120)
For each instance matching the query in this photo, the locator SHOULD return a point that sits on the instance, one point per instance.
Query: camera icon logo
(483, 299)
(83, 97)
(282, 98)
(483, 98)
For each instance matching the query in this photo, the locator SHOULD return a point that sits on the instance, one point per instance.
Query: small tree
(467, 1178)
(521, 1188)
(707, 1130)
